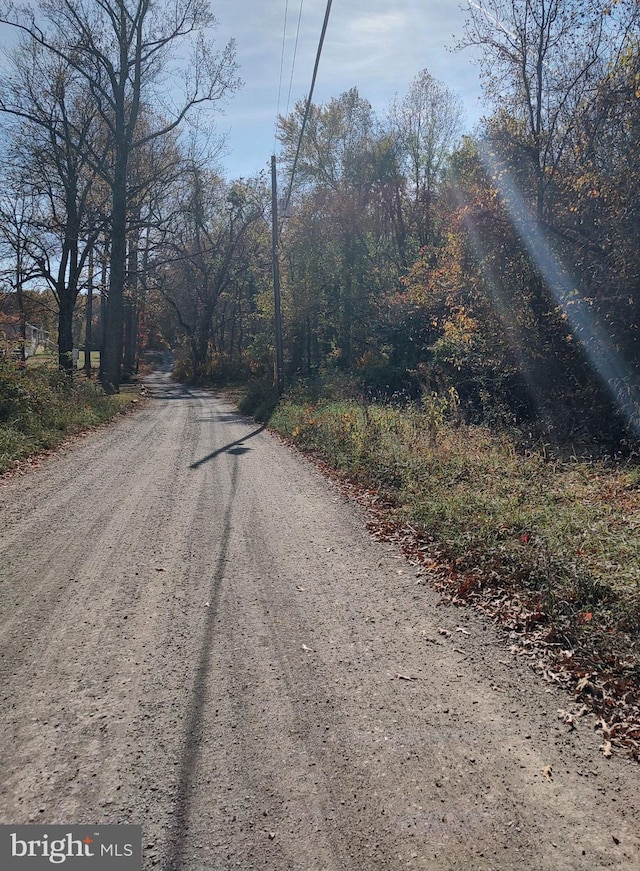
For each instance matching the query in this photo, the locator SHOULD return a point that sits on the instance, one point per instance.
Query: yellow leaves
(348, 421)
(429, 279)
(460, 327)
(368, 360)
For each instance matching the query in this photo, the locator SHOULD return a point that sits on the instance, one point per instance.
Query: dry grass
(549, 548)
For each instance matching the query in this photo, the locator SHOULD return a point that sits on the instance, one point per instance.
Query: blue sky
(374, 45)
(377, 46)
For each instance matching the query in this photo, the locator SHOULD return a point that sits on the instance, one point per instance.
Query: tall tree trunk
(104, 305)
(22, 314)
(65, 334)
(88, 318)
(112, 350)
(130, 330)
(131, 310)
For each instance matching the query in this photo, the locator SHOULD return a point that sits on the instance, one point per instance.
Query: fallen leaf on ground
(464, 631)
(606, 728)
(606, 749)
(443, 631)
(547, 773)
(566, 717)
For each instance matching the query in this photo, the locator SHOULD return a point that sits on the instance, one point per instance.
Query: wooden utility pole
(276, 278)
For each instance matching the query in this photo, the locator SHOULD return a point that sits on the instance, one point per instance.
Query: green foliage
(216, 369)
(372, 438)
(260, 399)
(39, 407)
(503, 267)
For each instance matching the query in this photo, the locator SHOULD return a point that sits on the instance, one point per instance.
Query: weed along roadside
(40, 408)
(546, 548)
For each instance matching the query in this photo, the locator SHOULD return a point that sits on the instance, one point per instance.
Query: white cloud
(368, 45)
(377, 29)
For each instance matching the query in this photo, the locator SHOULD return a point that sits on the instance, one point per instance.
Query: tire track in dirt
(208, 643)
(75, 610)
(195, 718)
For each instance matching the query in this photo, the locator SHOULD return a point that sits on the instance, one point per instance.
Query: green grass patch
(566, 532)
(40, 407)
(546, 548)
(95, 359)
(42, 359)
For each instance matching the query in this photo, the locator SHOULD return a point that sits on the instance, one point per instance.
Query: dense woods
(501, 267)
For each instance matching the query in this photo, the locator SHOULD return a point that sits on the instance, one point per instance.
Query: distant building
(35, 336)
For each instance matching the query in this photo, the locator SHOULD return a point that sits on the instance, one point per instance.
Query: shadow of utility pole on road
(236, 448)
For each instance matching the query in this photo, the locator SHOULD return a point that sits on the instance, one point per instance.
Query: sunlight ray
(607, 363)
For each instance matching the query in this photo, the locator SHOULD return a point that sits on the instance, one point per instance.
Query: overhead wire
(274, 200)
(293, 62)
(284, 37)
(308, 105)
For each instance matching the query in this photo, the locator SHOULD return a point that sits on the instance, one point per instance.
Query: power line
(284, 36)
(308, 106)
(274, 207)
(295, 52)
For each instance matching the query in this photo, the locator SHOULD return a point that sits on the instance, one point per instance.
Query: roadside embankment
(41, 407)
(547, 547)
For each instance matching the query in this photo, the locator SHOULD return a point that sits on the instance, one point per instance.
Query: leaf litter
(596, 668)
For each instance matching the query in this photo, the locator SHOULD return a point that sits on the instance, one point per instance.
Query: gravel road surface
(199, 636)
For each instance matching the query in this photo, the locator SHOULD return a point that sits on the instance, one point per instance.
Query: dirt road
(199, 636)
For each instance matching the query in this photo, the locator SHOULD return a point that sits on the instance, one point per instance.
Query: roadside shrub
(216, 370)
(259, 400)
(182, 370)
(40, 407)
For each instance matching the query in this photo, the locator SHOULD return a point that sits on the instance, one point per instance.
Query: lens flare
(614, 372)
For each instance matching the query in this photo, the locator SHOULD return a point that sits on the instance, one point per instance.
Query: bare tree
(425, 126)
(427, 123)
(55, 131)
(17, 210)
(541, 60)
(209, 250)
(125, 51)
